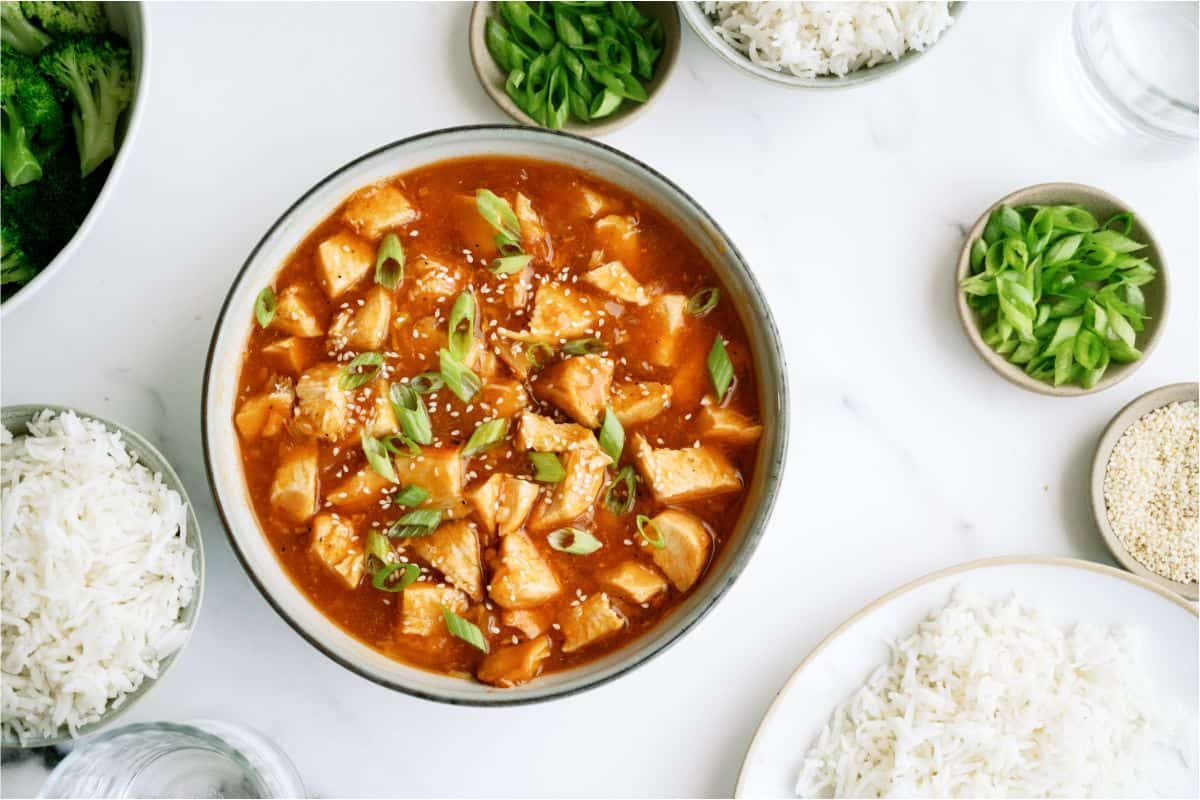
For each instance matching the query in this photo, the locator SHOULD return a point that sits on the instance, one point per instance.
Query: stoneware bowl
(703, 27)
(128, 20)
(16, 419)
(222, 450)
(1140, 407)
(1103, 206)
(492, 77)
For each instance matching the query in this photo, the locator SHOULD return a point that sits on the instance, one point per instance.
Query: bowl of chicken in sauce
(493, 414)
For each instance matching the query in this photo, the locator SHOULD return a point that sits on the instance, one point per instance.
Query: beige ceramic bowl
(492, 77)
(1140, 407)
(1102, 205)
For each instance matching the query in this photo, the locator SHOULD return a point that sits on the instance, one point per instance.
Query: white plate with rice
(102, 572)
(1016, 676)
(821, 45)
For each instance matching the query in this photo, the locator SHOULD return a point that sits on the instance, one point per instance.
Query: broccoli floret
(16, 267)
(33, 122)
(97, 74)
(67, 18)
(18, 32)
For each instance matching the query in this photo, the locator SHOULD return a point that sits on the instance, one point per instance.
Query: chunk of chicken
(360, 491)
(726, 425)
(592, 203)
(618, 235)
(663, 328)
(524, 579)
(531, 622)
(533, 233)
(579, 386)
(335, 543)
(421, 608)
(434, 281)
(294, 489)
(266, 413)
(518, 288)
(322, 410)
(687, 547)
(366, 326)
(635, 403)
(474, 232)
(543, 434)
(558, 314)
(516, 356)
(503, 397)
(502, 503)
(590, 621)
(342, 261)
(676, 476)
(437, 470)
(634, 581)
(575, 494)
(298, 312)
(453, 550)
(613, 279)
(375, 210)
(515, 664)
(292, 355)
(381, 417)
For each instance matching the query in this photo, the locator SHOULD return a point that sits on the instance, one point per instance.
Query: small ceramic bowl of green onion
(587, 68)
(1062, 289)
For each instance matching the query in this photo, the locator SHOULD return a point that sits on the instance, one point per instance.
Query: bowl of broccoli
(70, 87)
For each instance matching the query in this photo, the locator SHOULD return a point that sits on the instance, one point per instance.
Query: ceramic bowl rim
(755, 521)
(1013, 373)
(189, 615)
(1130, 413)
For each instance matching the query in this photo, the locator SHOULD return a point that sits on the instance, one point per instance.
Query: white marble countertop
(907, 455)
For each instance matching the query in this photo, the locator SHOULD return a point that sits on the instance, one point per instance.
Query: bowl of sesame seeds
(1146, 488)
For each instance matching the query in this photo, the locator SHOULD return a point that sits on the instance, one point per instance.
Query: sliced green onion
(411, 413)
(264, 307)
(398, 441)
(621, 494)
(411, 495)
(382, 579)
(604, 103)
(458, 377)
(462, 325)
(389, 262)
(464, 629)
(574, 541)
(703, 301)
(547, 468)
(498, 213)
(353, 375)
(535, 351)
(378, 457)
(583, 347)
(720, 368)
(427, 382)
(486, 435)
(658, 540)
(420, 522)
(510, 264)
(612, 435)
(379, 547)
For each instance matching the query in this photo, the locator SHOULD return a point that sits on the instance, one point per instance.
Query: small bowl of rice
(102, 572)
(820, 45)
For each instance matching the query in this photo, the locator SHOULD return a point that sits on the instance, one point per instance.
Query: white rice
(993, 700)
(95, 573)
(811, 39)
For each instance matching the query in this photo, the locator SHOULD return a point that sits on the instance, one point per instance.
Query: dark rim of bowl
(773, 469)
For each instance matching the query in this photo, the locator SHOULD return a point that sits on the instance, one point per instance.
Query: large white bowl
(129, 20)
(222, 451)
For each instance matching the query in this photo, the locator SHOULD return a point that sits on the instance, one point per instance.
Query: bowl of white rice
(102, 572)
(820, 45)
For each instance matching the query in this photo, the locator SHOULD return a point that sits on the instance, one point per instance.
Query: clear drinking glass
(1134, 71)
(199, 759)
